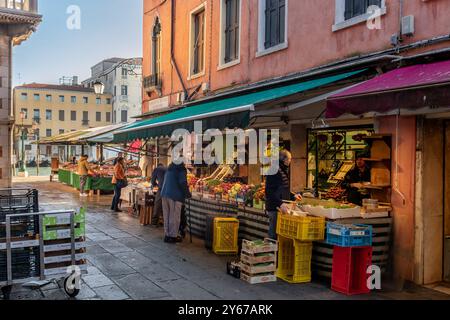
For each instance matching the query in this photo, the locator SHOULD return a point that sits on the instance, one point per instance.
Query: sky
(106, 28)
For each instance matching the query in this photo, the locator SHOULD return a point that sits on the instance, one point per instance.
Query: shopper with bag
(119, 181)
(174, 192)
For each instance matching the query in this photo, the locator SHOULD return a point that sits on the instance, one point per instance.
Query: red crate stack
(350, 264)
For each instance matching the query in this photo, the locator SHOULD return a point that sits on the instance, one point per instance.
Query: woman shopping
(119, 181)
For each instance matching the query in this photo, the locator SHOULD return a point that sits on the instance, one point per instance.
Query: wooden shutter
(354, 8)
(199, 41)
(232, 29)
(275, 22)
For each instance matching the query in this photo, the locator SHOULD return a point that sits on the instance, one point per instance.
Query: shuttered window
(354, 8)
(199, 42)
(275, 23)
(232, 30)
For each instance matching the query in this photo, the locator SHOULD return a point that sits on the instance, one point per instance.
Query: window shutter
(267, 27)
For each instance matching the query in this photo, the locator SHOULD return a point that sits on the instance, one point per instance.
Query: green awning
(230, 113)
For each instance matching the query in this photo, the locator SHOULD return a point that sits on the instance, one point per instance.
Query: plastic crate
(354, 235)
(294, 260)
(226, 232)
(349, 274)
(301, 228)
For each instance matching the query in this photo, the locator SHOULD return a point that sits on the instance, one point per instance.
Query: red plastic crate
(349, 275)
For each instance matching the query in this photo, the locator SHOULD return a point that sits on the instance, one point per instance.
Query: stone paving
(127, 261)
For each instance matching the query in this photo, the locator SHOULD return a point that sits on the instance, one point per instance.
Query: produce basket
(354, 235)
(301, 228)
(294, 260)
(339, 212)
(259, 246)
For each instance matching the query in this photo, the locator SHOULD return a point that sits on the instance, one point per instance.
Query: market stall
(100, 179)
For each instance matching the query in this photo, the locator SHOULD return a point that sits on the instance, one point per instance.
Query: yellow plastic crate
(226, 232)
(301, 228)
(294, 260)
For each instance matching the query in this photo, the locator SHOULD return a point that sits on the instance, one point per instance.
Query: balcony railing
(152, 82)
(22, 5)
(85, 122)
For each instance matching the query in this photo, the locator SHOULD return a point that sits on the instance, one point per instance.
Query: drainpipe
(172, 49)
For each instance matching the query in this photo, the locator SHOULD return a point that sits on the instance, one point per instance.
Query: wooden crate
(256, 259)
(258, 279)
(268, 247)
(258, 269)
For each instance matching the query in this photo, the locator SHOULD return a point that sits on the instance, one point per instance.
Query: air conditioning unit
(408, 25)
(180, 97)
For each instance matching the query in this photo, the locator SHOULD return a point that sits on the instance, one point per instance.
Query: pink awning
(413, 87)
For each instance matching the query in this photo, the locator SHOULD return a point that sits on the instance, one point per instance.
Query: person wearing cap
(355, 178)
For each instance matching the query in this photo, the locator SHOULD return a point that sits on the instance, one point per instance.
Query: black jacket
(356, 176)
(278, 188)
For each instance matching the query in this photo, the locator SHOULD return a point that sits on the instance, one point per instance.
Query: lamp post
(22, 169)
(99, 87)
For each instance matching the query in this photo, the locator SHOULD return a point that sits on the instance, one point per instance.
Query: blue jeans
(273, 216)
(116, 199)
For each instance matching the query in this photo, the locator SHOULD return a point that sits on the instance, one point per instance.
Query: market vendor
(83, 172)
(353, 181)
(278, 190)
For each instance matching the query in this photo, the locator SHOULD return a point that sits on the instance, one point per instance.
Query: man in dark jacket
(355, 178)
(158, 181)
(278, 190)
(174, 193)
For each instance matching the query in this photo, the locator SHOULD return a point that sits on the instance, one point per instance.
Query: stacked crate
(352, 256)
(24, 233)
(259, 261)
(296, 235)
(57, 238)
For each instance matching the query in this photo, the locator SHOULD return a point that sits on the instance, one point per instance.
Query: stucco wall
(310, 37)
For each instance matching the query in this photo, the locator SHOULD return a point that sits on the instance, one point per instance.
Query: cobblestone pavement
(129, 261)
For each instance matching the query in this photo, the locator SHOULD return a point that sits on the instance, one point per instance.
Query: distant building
(18, 20)
(50, 110)
(123, 80)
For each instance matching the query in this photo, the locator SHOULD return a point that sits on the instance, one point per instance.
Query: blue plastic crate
(356, 235)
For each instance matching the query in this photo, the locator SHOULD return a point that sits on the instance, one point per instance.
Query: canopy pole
(102, 158)
(38, 158)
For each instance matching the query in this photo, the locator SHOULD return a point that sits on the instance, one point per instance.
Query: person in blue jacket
(175, 191)
(277, 190)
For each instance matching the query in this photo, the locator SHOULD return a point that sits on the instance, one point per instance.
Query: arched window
(156, 51)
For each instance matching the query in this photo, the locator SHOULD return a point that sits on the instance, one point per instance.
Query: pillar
(5, 111)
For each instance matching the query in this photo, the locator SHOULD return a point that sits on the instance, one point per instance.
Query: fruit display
(260, 193)
(102, 171)
(336, 193)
